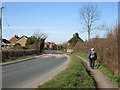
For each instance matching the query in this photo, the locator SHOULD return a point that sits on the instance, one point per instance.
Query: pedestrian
(92, 55)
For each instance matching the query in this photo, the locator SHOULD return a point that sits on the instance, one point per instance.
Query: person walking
(92, 55)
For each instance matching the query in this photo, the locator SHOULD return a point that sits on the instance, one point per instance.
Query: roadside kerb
(13, 62)
(26, 59)
(22, 60)
(61, 68)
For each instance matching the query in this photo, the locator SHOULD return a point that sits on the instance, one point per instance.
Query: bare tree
(40, 38)
(89, 15)
(39, 35)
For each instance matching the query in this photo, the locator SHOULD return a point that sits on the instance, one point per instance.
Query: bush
(24, 48)
(106, 48)
(13, 54)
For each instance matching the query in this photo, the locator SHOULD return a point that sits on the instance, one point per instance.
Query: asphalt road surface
(30, 73)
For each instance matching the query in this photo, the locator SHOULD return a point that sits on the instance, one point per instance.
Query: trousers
(92, 63)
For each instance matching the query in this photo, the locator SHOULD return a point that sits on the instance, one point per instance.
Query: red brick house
(50, 45)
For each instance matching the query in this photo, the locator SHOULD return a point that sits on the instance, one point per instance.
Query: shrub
(106, 48)
(24, 48)
(13, 54)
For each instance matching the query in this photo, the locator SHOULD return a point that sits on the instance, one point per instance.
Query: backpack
(92, 55)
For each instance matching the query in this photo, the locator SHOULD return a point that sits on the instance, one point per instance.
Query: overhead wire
(8, 25)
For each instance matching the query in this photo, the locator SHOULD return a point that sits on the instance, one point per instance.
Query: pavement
(34, 71)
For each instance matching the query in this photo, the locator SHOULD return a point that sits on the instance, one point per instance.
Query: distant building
(69, 45)
(69, 50)
(22, 40)
(50, 45)
(46, 45)
(14, 39)
(5, 44)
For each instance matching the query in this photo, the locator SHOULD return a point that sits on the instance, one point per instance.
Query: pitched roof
(21, 37)
(5, 41)
(15, 38)
(49, 43)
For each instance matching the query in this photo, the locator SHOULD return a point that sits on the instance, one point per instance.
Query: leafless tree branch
(39, 35)
(89, 15)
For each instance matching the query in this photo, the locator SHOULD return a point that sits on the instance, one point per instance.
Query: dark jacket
(89, 55)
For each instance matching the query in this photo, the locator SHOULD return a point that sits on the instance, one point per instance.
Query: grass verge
(74, 76)
(103, 69)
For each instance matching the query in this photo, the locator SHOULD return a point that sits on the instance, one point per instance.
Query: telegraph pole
(1, 28)
(1, 47)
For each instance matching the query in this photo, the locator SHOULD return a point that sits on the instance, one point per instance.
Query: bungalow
(8, 44)
(13, 39)
(21, 40)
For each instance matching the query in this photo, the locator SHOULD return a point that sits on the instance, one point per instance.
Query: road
(30, 73)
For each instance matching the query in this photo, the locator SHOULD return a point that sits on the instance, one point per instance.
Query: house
(69, 45)
(5, 44)
(13, 39)
(46, 45)
(50, 45)
(22, 40)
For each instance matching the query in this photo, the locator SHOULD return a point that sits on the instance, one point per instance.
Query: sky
(59, 20)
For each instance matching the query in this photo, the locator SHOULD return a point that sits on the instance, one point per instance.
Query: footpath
(100, 78)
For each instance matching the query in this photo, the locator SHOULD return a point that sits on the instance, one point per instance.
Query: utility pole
(1, 28)
(1, 47)
(1, 34)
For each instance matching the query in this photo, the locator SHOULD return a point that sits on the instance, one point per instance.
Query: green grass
(111, 76)
(104, 70)
(76, 75)
(82, 55)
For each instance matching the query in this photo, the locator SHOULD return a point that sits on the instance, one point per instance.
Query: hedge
(13, 54)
